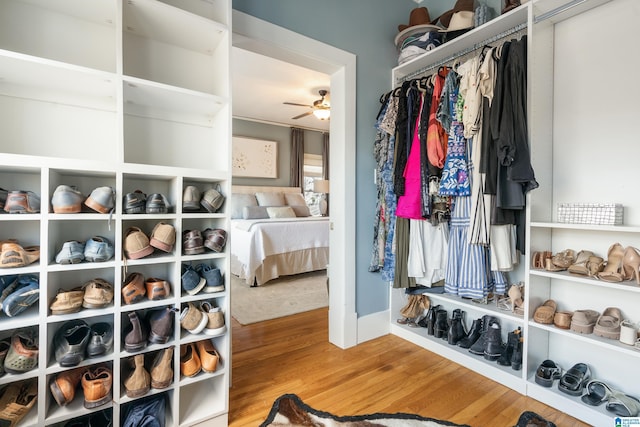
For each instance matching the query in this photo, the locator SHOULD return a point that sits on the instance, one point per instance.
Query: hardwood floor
(388, 374)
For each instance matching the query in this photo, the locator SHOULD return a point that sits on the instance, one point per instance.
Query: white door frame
(262, 37)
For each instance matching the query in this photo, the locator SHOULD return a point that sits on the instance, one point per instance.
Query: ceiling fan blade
(299, 105)
(302, 115)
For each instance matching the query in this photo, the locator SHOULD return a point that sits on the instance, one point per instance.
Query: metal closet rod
(557, 11)
(463, 52)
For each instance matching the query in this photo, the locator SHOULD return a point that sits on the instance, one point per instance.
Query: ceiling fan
(320, 107)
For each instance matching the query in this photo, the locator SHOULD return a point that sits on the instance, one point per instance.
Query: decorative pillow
(255, 212)
(301, 211)
(281, 212)
(270, 199)
(295, 199)
(239, 201)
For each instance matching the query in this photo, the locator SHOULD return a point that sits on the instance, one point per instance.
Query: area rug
(278, 298)
(289, 410)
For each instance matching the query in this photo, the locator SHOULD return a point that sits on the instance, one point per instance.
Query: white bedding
(303, 242)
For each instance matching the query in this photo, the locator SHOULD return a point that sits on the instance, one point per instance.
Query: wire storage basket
(591, 213)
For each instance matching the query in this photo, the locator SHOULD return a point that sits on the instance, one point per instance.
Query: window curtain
(296, 175)
(325, 156)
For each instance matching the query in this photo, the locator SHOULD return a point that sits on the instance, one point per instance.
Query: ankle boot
(512, 342)
(136, 333)
(139, 381)
(493, 346)
(441, 325)
(516, 358)
(478, 347)
(456, 329)
(473, 335)
(430, 319)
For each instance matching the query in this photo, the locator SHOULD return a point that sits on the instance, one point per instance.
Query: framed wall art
(254, 158)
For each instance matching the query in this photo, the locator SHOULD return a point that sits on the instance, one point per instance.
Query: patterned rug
(289, 410)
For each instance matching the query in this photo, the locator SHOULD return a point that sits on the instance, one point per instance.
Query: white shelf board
(74, 409)
(627, 286)
(96, 11)
(489, 308)
(587, 227)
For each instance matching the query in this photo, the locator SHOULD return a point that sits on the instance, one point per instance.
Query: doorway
(261, 37)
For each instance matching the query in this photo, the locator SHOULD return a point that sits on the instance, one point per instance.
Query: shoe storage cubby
(577, 158)
(117, 95)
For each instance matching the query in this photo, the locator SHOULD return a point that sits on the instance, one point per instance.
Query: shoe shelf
(199, 400)
(60, 414)
(627, 286)
(586, 227)
(490, 307)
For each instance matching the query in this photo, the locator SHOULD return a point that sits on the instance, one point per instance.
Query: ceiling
(261, 84)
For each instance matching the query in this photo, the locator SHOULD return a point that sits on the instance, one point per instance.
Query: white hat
(461, 20)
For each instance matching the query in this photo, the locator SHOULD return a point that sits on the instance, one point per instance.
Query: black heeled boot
(441, 325)
(493, 345)
(478, 347)
(473, 335)
(456, 329)
(516, 358)
(512, 341)
(431, 319)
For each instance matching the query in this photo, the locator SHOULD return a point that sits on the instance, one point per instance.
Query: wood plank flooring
(388, 374)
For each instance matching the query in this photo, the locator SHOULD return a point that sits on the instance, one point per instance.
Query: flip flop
(623, 405)
(574, 380)
(596, 392)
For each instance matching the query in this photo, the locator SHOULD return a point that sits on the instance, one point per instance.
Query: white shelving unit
(116, 93)
(583, 151)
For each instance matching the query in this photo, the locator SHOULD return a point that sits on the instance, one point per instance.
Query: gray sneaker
(67, 199)
(102, 199)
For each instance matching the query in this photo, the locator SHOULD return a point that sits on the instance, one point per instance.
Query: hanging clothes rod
(463, 52)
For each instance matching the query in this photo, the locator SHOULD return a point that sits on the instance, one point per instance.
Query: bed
(273, 234)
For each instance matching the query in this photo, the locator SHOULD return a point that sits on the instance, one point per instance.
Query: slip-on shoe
(547, 372)
(136, 244)
(72, 252)
(157, 204)
(215, 319)
(100, 340)
(13, 255)
(67, 199)
(134, 202)
(190, 364)
(163, 237)
(24, 296)
(193, 319)
(63, 386)
(67, 301)
(209, 357)
(192, 283)
(102, 199)
(212, 200)
(96, 385)
(98, 249)
(22, 202)
(70, 342)
(157, 289)
(192, 242)
(215, 239)
(191, 199)
(133, 288)
(98, 293)
(213, 277)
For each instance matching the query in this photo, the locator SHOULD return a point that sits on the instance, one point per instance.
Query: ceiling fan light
(321, 113)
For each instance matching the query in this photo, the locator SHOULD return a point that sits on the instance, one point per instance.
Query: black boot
(516, 358)
(473, 335)
(493, 345)
(429, 320)
(456, 329)
(441, 326)
(512, 342)
(478, 347)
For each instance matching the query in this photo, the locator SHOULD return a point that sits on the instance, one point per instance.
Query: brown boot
(96, 385)
(162, 369)
(63, 387)
(138, 382)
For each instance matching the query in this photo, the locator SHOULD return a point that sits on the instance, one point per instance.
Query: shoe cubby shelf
(564, 137)
(115, 93)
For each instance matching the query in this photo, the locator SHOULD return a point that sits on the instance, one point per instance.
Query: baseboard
(373, 326)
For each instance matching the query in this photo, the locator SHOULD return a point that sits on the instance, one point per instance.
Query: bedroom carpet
(289, 410)
(278, 298)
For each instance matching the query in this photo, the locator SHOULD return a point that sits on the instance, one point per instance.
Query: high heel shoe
(613, 271)
(516, 297)
(631, 264)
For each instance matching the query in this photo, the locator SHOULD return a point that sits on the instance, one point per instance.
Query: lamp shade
(321, 186)
(322, 113)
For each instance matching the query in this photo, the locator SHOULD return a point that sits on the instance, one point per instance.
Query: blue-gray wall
(281, 134)
(367, 29)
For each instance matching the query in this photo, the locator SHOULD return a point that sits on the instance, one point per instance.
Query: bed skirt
(274, 266)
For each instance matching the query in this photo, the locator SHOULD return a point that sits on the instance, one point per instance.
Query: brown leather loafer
(98, 293)
(157, 288)
(96, 385)
(215, 239)
(192, 243)
(190, 365)
(133, 289)
(209, 357)
(63, 387)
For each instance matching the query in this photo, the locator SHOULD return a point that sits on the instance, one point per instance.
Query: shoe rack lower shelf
(501, 374)
(552, 396)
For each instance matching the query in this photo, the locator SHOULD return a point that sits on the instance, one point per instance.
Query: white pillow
(239, 201)
(295, 199)
(280, 212)
(254, 212)
(301, 211)
(270, 199)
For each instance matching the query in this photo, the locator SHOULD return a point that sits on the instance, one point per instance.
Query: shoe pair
(207, 318)
(68, 199)
(96, 293)
(135, 288)
(198, 356)
(192, 199)
(137, 245)
(75, 339)
(97, 382)
(155, 328)
(137, 202)
(96, 249)
(194, 241)
(18, 293)
(139, 381)
(22, 202)
(203, 278)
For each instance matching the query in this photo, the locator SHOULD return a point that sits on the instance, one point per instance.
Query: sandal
(608, 324)
(623, 405)
(547, 372)
(596, 392)
(562, 319)
(564, 259)
(614, 269)
(583, 321)
(516, 298)
(595, 265)
(580, 265)
(574, 380)
(545, 313)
